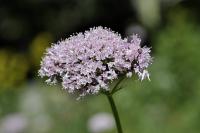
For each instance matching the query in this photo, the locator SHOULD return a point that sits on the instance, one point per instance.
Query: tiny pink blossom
(87, 62)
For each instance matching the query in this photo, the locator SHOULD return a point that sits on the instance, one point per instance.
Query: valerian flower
(88, 62)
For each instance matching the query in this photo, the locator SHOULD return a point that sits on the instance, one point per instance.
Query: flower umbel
(88, 62)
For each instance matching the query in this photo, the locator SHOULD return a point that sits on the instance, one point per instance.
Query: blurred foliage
(148, 11)
(13, 69)
(38, 46)
(178, 46)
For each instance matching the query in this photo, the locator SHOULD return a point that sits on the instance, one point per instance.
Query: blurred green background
(170, 103)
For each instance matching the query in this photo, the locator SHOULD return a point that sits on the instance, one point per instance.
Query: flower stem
(115, 113)
(115, 88)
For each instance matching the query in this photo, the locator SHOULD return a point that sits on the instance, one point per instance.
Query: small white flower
(129, 74)
(13, 123)
(143, 75)
(100, 123)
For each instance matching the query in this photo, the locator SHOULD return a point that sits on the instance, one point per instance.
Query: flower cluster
(87, 62)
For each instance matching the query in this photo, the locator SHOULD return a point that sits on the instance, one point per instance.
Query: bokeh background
(170, 103)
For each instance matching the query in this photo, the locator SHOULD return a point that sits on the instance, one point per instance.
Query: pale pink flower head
(88, 62)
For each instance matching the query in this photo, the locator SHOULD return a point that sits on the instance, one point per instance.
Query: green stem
(116, 85)
(115, 113)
